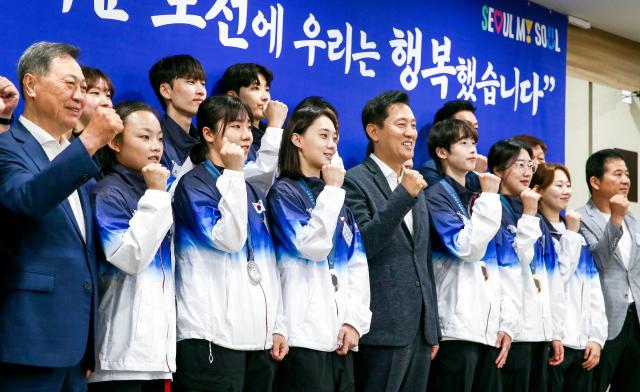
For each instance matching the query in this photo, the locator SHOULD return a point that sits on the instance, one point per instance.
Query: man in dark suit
(389, 206)
(48, 293)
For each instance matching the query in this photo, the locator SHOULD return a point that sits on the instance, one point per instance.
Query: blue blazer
(47, 271)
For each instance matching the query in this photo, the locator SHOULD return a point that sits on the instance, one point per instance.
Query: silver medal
(254, 272)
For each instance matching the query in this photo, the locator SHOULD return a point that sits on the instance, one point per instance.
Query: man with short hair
(538, 147)
(48, 294)
(456, 110)
(389, 206)
(613, 233)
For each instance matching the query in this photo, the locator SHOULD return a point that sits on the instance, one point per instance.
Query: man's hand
(280, 347)
(348, 338)
(276, 113)
(619, 204)
(503, 342)
(104, 125)
(573, 220)
(557, 353)
(155, 176)
(530, 200)
(9, 98)
(232, 155)
(434, 351)
(333, 175)
(489, 183)
(412, 182)
(591, 355)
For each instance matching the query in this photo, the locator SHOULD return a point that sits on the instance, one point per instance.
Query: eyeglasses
(525, 165)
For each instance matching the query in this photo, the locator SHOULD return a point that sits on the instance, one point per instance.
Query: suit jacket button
(417, 283)
(87, 286)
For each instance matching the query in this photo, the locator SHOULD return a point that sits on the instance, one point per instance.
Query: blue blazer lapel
(378, 177)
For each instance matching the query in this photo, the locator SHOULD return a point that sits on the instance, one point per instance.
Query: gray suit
(622, 348)
(394, 354)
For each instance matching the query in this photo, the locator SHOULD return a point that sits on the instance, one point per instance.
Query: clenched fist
(232, 155)
(489, 183)
(276, 113)
(333, 175)
(572, 218)
(155, 176)
(530, 200)
(481, 164)
(619, 204)
(104, 125)
(9, 97)
(413, 182)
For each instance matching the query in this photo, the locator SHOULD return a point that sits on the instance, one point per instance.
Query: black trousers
(569, 375)
(527, 367)
(315, 371)
(230, 370)
(620, 359)
(128, 386)
(393, 369)
(465, 366)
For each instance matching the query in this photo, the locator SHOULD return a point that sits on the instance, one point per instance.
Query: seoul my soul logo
(519, 28)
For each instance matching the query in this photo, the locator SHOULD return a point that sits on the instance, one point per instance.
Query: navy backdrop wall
(509, 57)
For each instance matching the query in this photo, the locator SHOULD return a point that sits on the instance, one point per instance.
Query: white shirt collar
(388, 173)
(43, 137)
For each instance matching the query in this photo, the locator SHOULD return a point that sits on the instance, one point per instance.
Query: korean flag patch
(259, 207)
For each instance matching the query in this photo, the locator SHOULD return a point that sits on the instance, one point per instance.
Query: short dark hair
(215, 109)
(595, 166)
(449, 109)
(375, 110)
(447, 132)
(37, 58)
(168, 69)
(532, 141)
(299, 122)
(93, 75)
(503, 153)
(243, 75)
(318, 102)
(106, 156)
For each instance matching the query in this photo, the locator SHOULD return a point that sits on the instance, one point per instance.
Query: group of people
(141, 252)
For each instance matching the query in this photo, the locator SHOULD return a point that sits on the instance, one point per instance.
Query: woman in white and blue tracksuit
(585, 323)
(476, 301)
(229, 300)
(524, 239)
(321, 258)
(136, 317)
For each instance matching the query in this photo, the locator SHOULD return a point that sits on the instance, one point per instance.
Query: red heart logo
(498, 20)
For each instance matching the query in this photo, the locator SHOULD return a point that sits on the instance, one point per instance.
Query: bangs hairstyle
(106, 156)
(545, 173)
(168, 69)
(299, 122)
(504, 153)
(215, 113)
(93, 76)
(243, 75)
(445, 133)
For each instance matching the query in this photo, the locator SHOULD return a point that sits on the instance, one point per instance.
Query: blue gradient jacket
(309, 230)
(525, 240)
(136, 316)
(215, 214)
(468, 278)
(585, 318)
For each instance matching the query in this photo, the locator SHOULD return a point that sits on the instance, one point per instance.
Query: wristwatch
(6, 121)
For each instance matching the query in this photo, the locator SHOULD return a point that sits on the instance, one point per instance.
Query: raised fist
(155, 176)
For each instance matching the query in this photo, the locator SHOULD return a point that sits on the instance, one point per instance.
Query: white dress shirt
(52, 148)
(393, 180)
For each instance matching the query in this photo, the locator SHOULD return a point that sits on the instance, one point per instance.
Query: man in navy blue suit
(48, 298)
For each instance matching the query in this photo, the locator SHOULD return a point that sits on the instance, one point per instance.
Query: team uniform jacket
(585, 319)
(307, 230)
(468, 278)
(526, 240)
(216, 300)
(136, 315)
